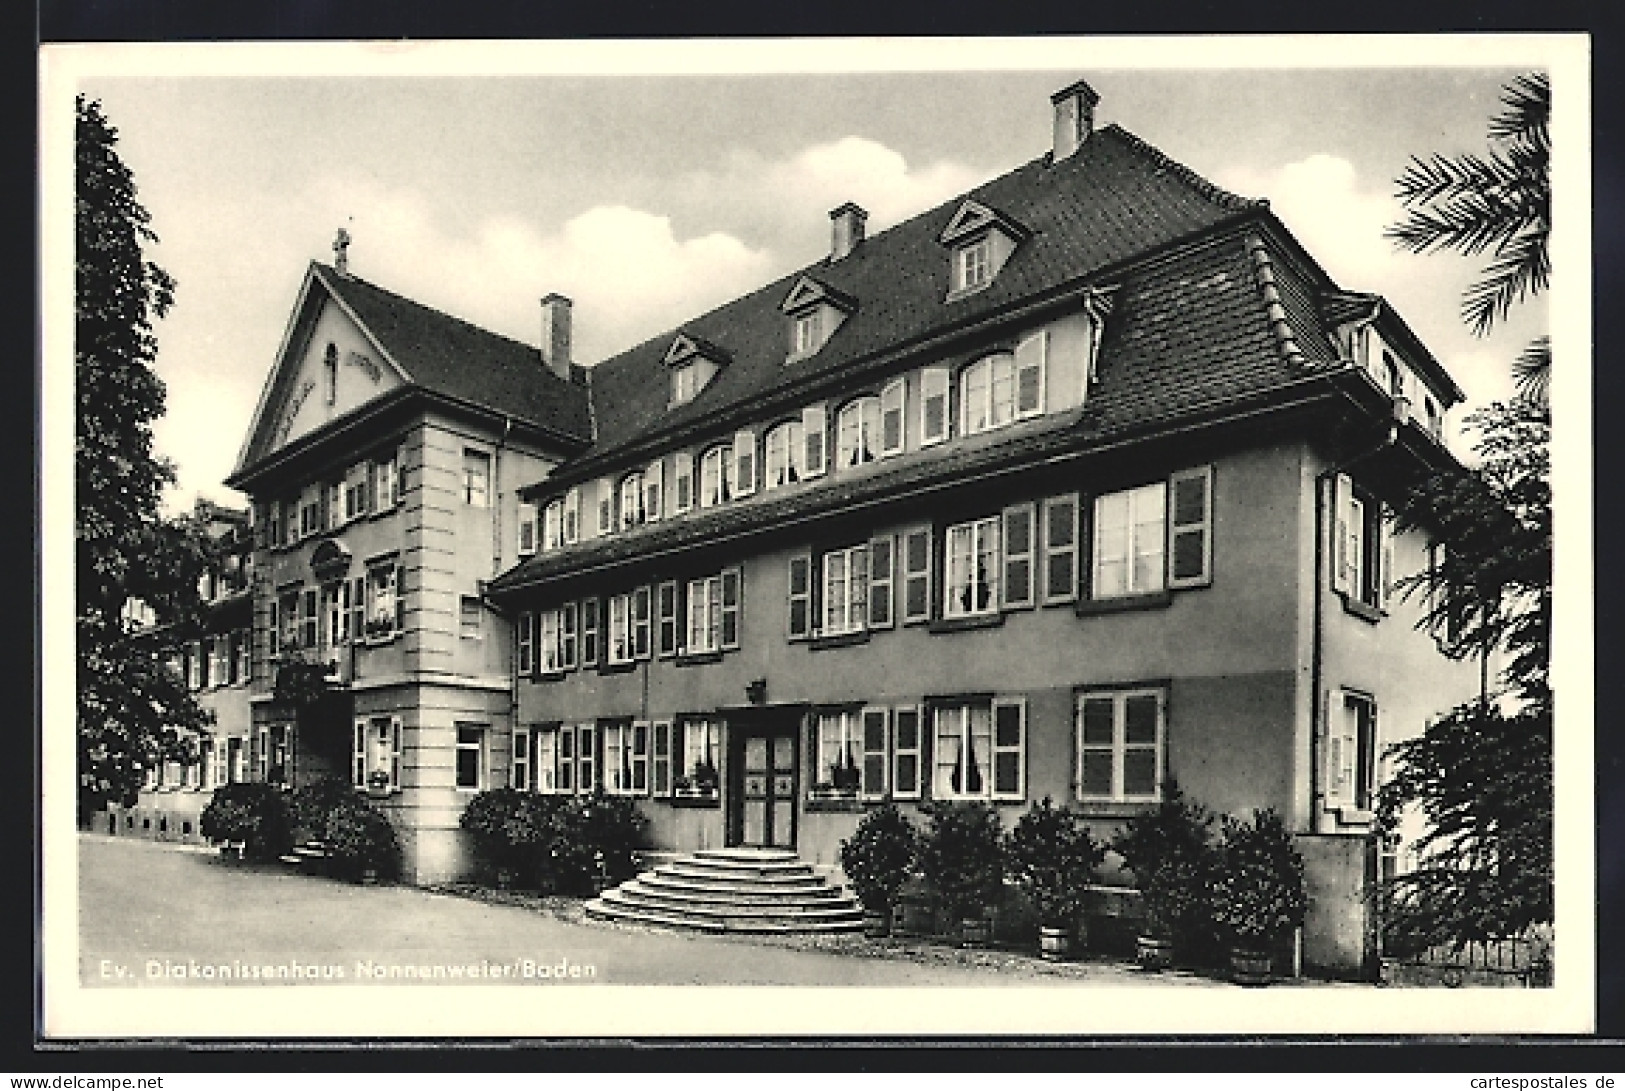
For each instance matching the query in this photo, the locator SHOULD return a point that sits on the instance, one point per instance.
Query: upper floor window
(682, 482)
(804, 339)
(1141, 547)
(572, 515)
(782, 456)
(971, 583)
(330, 364)
(471, 757)
(716, 473)
(933, 405)
(857, 432)
(553, 525)
(527, 528)
(631, 501)
(846, 590)
(1362, 568)
(973, 264)
(685, 383)
(987, 394)
(892, 400)
(476, 478)
(652, 481)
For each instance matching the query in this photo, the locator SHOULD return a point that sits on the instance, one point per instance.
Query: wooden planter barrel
(1249, 966)
(1054, 944)
(1154, 952)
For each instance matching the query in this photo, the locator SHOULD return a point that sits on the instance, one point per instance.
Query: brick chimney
(846, 230)
(1074, 118)
(556, 334)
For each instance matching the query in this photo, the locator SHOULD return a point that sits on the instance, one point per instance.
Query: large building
(1072, 486)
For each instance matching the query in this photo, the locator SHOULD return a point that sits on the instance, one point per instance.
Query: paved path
(149, 910)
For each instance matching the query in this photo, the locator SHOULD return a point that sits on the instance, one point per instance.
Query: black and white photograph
(921, 536)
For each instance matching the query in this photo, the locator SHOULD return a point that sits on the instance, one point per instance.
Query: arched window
(782, 461)
(987, 394)
(716, 473)
(857, 432)
(631, 501)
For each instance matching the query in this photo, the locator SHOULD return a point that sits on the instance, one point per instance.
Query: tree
(1498, 203)
(133, 707)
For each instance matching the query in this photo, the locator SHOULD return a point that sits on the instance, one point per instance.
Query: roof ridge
(1264, 280)
(1217, 194)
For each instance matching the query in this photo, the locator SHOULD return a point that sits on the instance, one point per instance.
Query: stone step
(679, 884)
(737, 876)
(828, 897)
(731, 911)
(602, 910)
(750, 855)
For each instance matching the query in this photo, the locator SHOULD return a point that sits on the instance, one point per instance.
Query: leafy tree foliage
(133, 707)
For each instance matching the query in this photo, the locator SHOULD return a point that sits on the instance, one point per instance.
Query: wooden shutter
(744, 463)
(1010, 748)
(395, 753)
(586, 758)
(875, 728)
(567, 636)
(882, 566)
(1385, 556)
(907, 751)
(640, 758)
(800, 597)
(933, 405)
(526, 634)
(660, 781)
(590, 643)
(641, 609)
(892, 400)
(527, 528)
(1061, 548)
(358, 754)
(1345, 544)
(917, 575)
(400, 598)
(1030, 356)
(815, 440)
(683, 481)
(1018, 555)
(732, 589)
(1190, 528)
(653, 479)
(666, 619)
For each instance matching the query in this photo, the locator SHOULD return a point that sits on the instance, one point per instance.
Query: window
(376, 759)
(804, 334)
(521, 776)
(471, 758)
(782, 455)
(1351, 748)
(626, 758)
(606, 507)
(1029, 362)
(220, 659)
(881, 564)
(667, 632)
(906, 752)
(552, 525)
(548, 745)
(800, 597)
(310, 511)
(744, 468)
(330, 364)
(857, 433)
(385, 491)
(973, 265)
(572, 515)
(980, 750)
(1018, 556)
(685, 383)
(307, 618)
(933, 405)
(846, 590)
(385, 604)
(651, 490)
(468, 615)
(917, 575)
(335, 615)
(716, 471)
(972, 564)
(525, 643)
(704, 615)
(589, 632)
(356, 491)
(619, 638)
(288, 610)
(813, 425)
(1435, 419)
(987, 394)
(476, 478)
(702, 744)
(631, 501)
(194, 667)
(242, 656)
(838, 771)
(683, 480)
(529, 517)
(892, 398)
(1362, 568)
(1129, 534)
(1060, 548)
(1120, 745)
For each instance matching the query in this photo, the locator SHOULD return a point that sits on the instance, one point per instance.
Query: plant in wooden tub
(1258, 892)
(878, 859)
(1053, 859)
(962, 858)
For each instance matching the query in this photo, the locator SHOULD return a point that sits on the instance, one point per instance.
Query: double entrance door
(762, 781)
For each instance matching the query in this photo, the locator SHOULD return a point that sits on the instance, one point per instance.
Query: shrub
(254, 814)
(962, 856)
(1258, 893)
(1171, 854)
(1053, 858)
(613, 829)
(504, 828)
(555, 842)
(309, 806)
(359, 838)
(880, 856)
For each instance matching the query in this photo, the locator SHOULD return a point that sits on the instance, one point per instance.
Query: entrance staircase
(308, 856)
(732, 890)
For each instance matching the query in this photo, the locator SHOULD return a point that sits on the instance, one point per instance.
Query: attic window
(815, 311)
(973, 265)
(805, 337)
(980, 241)
(693, 363)
(685, 383)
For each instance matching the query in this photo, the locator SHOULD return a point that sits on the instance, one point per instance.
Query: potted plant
(962, 857)
(361, 843)
(1053, 859)
(843, 773)
(1169, 850)
(878, 859)
(1258, 892)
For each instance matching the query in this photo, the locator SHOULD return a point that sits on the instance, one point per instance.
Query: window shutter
(1010, 749)
(640, 623)
(1385, 558)
(567, 630)
(526, 633)
(917, 575)
(683, 481)
(358, 754)
(605, 502)
(1190, 523)
(1030, 356)
(660, 781)
(933, 405)
(589, 632)
(586, 756)
(813, 429)
(395, 753)
(1018, 555)
(744, 463)
(875, 732)
(1061, 548)
(800, 597)
(1338, 751)
(731, 589)
(882, 564)
(640, 758)
(906, 752)
(527, 528)
(892, 400)
(1343, 560)
(653, 478)
(666, 619)
(400, 598)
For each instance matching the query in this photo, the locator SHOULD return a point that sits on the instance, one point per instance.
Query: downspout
(496, 496)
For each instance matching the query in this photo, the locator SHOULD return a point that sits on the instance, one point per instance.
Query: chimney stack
(846, 230)
(1074, 118)
(556, 334)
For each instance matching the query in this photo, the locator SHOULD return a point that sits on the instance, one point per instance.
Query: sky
(650, 196)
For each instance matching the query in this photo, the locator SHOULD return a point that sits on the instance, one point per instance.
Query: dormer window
(980, 241)
(685, 383)
(815, 311)
(693, 363)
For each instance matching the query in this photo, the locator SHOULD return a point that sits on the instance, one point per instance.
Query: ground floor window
(701, 745)
(1351, 744)
(376, 758)
(471, 757)
(837, 770)
(979, 749)
(626, 758)
(1120, 745)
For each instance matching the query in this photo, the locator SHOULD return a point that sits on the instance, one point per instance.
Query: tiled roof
(1113, 200)
(449, 356)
